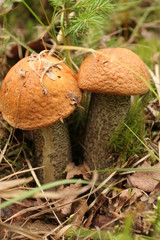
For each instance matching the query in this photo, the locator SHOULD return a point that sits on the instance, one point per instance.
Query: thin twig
(5, 147)
(39, 185)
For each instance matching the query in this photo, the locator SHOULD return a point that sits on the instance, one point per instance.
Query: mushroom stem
(105, 114)
(52, 151)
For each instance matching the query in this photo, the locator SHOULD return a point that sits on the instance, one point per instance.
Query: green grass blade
(18, 40)
(30, 193)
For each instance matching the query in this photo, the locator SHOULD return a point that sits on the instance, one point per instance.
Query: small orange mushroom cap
(114, 71)
(38, 91)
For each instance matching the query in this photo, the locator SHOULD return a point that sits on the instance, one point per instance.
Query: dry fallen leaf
(154, 194)
(126, 198)
(64, 205)
(21, 231)
(145, 180)
(99, 201)
(80, 209)
(142, 225)
(39, 227)
(104, 222)
(73, 171)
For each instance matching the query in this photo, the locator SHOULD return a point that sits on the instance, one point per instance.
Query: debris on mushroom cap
(35, 92)
(114, 71)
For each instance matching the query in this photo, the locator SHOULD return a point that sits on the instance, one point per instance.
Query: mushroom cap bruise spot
(27, 104)
(114, 71)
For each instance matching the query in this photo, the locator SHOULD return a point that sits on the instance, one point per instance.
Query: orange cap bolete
(114, 71)
(112, 75)
(37, 93)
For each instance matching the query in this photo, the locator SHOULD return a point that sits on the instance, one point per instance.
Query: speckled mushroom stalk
(103, 118)
(112, 75)
(37, 94)
(53, 151)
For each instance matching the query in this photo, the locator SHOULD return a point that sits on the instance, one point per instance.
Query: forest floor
(126, 205)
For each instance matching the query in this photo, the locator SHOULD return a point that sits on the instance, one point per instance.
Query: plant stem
(63, 36)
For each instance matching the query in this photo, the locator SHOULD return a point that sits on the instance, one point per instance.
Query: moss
(123, 141)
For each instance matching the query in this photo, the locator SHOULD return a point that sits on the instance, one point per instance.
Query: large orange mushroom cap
(114, 71)
(38, 91)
